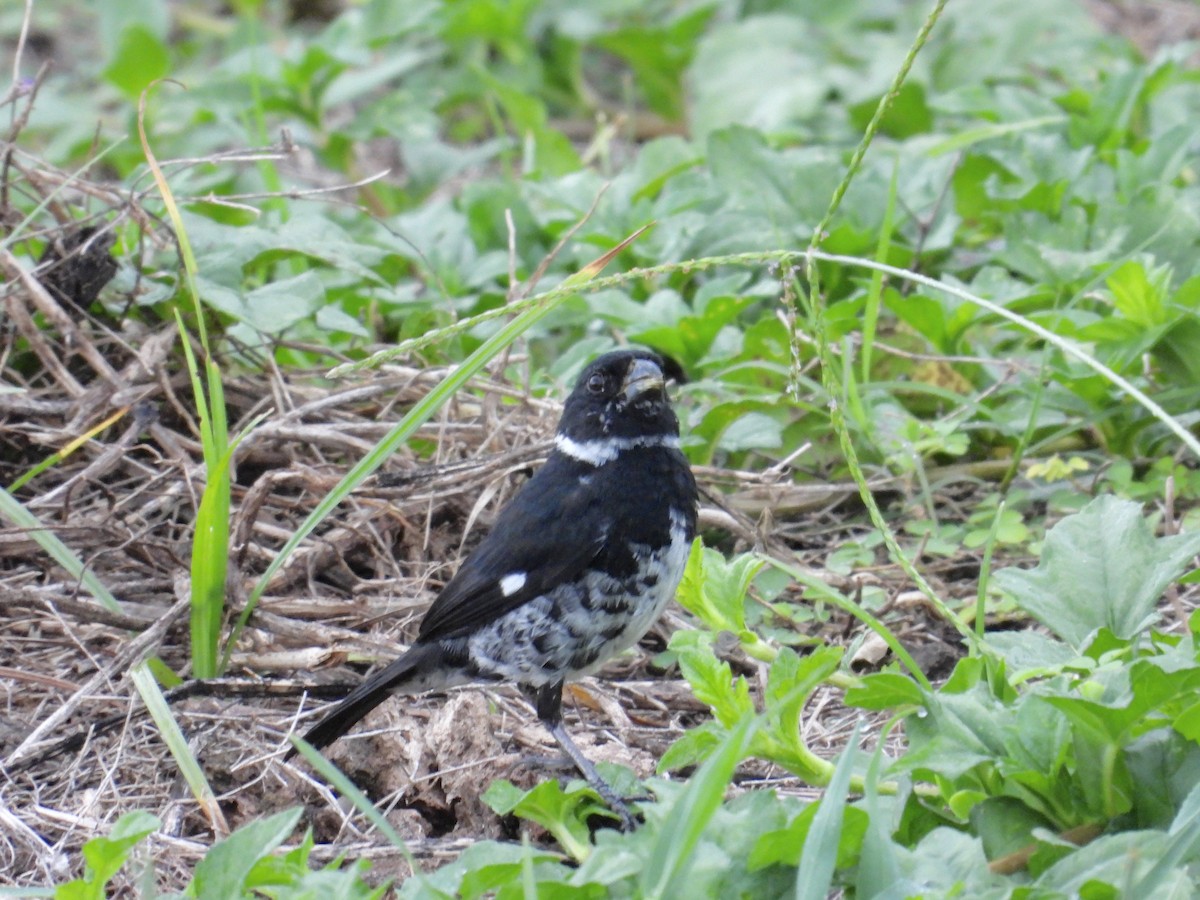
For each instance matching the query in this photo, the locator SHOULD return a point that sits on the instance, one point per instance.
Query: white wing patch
(511, 583)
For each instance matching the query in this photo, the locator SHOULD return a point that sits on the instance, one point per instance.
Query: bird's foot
(608, 794)
(629, 821)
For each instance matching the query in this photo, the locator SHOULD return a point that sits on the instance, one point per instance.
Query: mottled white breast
(665, 568)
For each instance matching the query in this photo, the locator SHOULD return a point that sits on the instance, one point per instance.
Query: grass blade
(11, 509)
(814, 876)
(688, 818)
(344, 786)
(55, 458)
(172, 735)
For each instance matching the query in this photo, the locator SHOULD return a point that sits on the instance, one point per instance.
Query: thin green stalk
(885, 102)
(856, 158)
(210, 534)
(870, 317)
(67, 184)
(851, 396)
(985, 571)
(760, 259)
(818, 859)
(361, 802)
(266, 167)
(829, 376)
(55, 458)
(140, 674)
(1022, 446)
(1066, 346)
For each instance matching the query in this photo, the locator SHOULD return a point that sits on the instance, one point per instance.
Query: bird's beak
(642, 376)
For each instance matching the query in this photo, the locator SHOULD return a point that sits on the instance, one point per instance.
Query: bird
(577, 567)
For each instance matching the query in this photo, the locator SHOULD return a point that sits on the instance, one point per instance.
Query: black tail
(368, 695)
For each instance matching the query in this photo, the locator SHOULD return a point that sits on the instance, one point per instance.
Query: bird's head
(622, 394)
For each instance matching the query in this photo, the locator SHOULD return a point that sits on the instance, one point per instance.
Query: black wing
(550, 532)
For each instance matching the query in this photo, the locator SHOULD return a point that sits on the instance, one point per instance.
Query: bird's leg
(547, 701)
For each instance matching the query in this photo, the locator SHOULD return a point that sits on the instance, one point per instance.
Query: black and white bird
(577, 567)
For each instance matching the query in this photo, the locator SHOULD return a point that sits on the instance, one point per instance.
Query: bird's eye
(597, 383)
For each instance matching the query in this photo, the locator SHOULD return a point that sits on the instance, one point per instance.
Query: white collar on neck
(605, 450)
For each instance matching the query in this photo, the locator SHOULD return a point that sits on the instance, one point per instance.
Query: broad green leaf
(790, 684)
(1005, 825)
(752, 431)
(278, 305)
(1100, 568)
(884, 690)
(714, 588)
(139, 60)
(564, 813)
(713, 683)
(694, 747)
(223, 871)
(1140, 296)
(785, 845)
(484, 866)
(1123, 858)
(758, 72)
(1029, 651)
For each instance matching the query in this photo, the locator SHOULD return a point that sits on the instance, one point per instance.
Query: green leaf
(790, 684)
(713, 683)
(658, 57)
(884, 690)
(223, 871)
(1102, 567)
(758, 72)
(484, 866)
(172, 735)
(334, 318)
(1030, 652)
(751, 431)
(694, 747)
(715, 589)
(784, 846)
(277, 306)
(140, 59)
(1005, 825)
(908, 115)
(16, 513)
(104, 856)
(879, 861)
(564, 813)
(952, 733)
(1140, 296)
(1184, 841)
(1105, 863)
